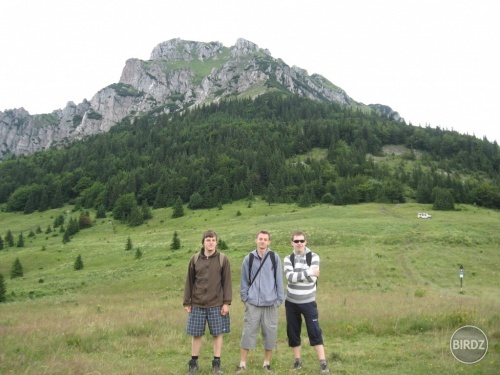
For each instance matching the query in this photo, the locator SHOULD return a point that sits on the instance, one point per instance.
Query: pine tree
(146, 211)
(66, 237)
(3, 289)
(101, 212)
(78, 263)
(178, 209)
(59, 220)
(1, 243)
(129, 245)
(29, 207)
(20, 240)
(17, 269)
(135, 218)
(43, 205)
(138, 253)
(271, 194)
(73, 227)
(176, 242)
(9, 238)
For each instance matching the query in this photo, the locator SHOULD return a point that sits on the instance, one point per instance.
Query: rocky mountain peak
(180, 75)
(181, 50)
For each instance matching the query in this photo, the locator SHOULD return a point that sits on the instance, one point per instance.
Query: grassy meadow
(389, 293)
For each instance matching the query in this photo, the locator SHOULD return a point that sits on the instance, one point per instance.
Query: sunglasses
(297, 241)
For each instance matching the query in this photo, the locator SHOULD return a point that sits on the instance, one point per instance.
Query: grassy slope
(389, 293)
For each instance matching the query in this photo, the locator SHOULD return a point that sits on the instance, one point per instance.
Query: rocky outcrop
(179, 75)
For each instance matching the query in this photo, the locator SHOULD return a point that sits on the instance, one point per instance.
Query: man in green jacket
(207, 296)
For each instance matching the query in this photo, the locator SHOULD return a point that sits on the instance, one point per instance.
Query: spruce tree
(146, 210)
(17, 269)
(20, 240)
(78, 263)
(135, 219)
(1, 243)
(3, 289)
(9, 239)
(176, 242)
(129, 245)
(101, 212)
(66, 237)
(138, 253)
(178, 209)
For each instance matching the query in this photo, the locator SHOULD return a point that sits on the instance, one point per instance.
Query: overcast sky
(436, 62)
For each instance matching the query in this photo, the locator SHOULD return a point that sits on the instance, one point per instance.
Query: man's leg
(217, 344)
(196, 346)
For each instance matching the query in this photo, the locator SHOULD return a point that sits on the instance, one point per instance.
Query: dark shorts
(294, 313)
(217, 323)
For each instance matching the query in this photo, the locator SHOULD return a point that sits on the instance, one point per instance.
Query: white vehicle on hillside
(424, 215)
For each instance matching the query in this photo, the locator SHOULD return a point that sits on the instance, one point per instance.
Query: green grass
(389, 294)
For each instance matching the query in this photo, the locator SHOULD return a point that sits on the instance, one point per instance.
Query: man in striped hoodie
(301, 273)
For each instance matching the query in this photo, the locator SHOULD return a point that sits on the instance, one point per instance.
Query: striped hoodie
(301, 286)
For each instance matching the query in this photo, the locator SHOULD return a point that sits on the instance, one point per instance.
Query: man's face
(299, 244)
(262, 241)
(210, 243)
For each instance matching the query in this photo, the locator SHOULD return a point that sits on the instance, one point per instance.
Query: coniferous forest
(231, 150)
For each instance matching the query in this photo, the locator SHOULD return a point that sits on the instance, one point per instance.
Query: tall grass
(389, 295)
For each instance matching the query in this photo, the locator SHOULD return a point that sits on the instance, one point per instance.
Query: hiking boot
(193, 367)
(297, 366)
(266, 368)
(216, 366)
(240, 369)
(324, 369)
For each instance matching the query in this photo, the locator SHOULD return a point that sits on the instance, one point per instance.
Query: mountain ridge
(179, 75)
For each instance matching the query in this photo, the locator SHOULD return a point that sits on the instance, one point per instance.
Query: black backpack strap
(260, 267)
(292, 259)
(273, 260)
(309, 256)
(250, 262)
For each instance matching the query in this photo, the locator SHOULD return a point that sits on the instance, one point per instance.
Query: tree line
(224, 152)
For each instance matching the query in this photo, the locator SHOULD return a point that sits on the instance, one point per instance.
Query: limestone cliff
(179, 75)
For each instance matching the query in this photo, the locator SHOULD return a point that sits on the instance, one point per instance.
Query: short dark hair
(298, 233)
(208, 233)
(264, 232)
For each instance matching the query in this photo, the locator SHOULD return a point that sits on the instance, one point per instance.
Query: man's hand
(224, 310)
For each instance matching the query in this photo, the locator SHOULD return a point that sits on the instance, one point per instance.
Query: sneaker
(266, 368)
(240, 369)
(324, 369)
(216, 366)
(193, 367)
(297, 365)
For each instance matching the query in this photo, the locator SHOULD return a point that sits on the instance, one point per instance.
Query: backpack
(250, 262)
(308, 258)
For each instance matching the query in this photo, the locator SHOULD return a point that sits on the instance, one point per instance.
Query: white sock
(243, 364)
(266, 363)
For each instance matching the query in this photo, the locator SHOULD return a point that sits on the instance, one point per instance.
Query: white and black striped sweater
(301, 287)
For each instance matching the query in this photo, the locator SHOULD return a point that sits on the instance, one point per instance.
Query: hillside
(389, 294)
(224, 152)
